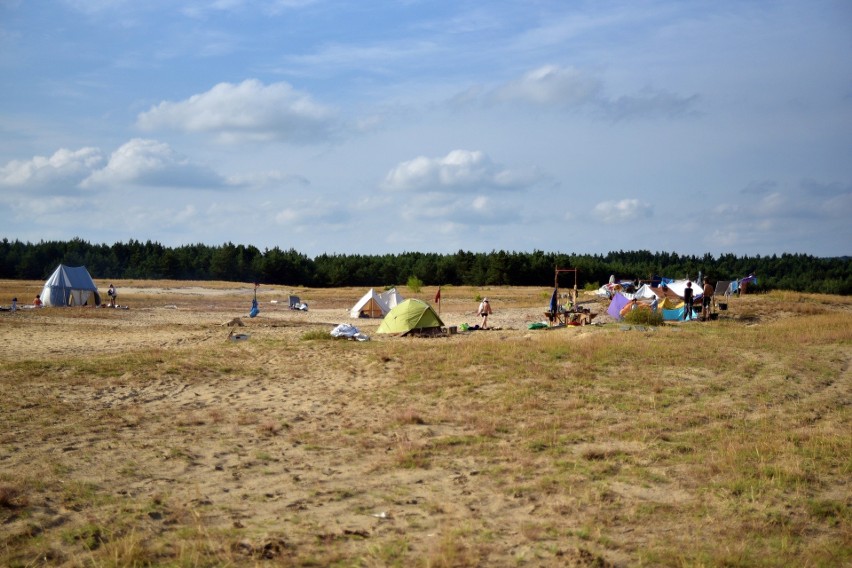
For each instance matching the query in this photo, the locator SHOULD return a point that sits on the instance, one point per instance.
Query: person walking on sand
(484, 311)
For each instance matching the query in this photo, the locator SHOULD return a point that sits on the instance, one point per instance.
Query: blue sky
(383, 127)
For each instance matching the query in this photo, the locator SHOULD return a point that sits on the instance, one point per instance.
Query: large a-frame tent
(70, 286)
(412, 315)
(370, 305)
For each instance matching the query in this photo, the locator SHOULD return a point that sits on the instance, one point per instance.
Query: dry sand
(211, 451)
(260, 445)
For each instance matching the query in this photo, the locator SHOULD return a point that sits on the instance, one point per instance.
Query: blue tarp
(677, 314)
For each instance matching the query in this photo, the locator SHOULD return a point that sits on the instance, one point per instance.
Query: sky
(381, 127)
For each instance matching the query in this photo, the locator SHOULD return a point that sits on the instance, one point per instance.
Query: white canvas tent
(370, 305)
(391, 298)
(644, 293)
(678, 287)
(70, 286)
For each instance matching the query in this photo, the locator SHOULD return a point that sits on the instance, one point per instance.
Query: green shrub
(644, 317)
(316, 334)
(414, 284)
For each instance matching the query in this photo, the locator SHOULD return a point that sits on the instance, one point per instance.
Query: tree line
(246, 263)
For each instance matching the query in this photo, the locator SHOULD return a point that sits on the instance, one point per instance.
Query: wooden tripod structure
(574, 290)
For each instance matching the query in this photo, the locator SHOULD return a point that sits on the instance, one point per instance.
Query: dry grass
(688, 445)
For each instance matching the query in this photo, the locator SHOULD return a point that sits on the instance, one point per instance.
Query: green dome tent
(411, 315)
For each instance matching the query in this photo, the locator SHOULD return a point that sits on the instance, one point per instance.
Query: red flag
(438, 295)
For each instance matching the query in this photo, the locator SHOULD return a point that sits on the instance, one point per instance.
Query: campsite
(145, 436)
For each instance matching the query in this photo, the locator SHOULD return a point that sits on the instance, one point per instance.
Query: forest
(246, 263)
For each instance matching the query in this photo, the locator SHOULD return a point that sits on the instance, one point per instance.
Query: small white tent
(370, 305)
(644, 293)
(70, 286)
(391, 298)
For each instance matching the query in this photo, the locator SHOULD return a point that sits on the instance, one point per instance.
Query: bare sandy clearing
(149, 424)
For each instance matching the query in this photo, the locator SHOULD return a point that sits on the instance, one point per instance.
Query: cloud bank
(458, 171)
(246, 111)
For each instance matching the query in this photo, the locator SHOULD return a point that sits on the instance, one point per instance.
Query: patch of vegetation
(644, 317)
(610, 446)
(316, 334)
(414, 284)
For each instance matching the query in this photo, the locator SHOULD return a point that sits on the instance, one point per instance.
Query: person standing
(706, 300)
(112, 295)
(14, 304)
(484, 311)
(688, 300)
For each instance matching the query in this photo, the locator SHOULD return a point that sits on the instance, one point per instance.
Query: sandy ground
(166, 317)
(212, 450)
(260, 445)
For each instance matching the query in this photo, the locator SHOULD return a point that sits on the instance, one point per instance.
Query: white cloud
(246, 111)
(551, 86)
(303, 214)
(649, 103)
(95, 6)
(622, 211)
(199, 9)
(59, 173)
(47, 206)
(822, 189)
(772, 203)
(458, 211)
(569, 88)
(270, 179)
(460, 170)
(151, 163)
(759, 187)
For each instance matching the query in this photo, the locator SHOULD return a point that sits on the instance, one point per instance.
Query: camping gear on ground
(254, 309)
(70, 286)
(297, 304)
(554, 310)
(371, 305)
(412, 316)
(348, 331)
